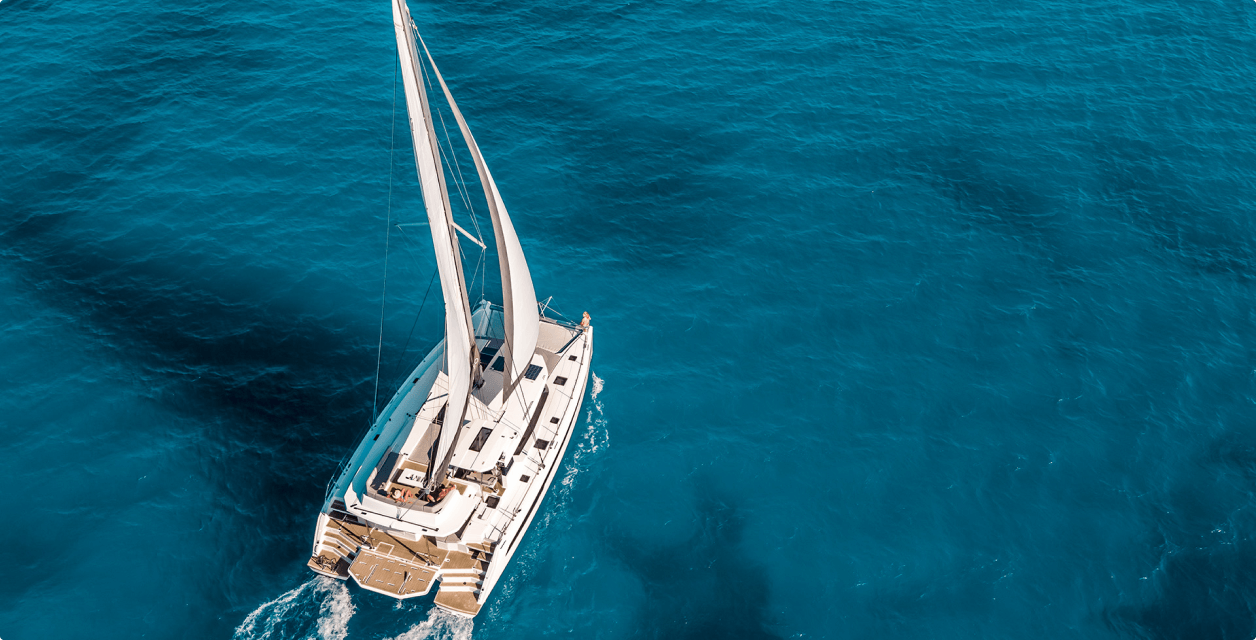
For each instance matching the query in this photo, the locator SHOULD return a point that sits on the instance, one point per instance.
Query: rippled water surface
(914, 319)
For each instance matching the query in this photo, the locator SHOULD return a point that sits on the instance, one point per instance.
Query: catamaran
(444, 485)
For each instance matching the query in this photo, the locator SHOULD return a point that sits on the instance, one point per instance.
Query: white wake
(440, 625)
(319, 610)
(594, 438)
(597, 385)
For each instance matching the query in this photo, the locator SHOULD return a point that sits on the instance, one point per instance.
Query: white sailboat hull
(399, 545)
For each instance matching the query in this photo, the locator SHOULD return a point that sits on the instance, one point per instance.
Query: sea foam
(320, 608)
(440, 625)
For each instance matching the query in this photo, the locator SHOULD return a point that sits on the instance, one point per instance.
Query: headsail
(459, 337)
(522, 322)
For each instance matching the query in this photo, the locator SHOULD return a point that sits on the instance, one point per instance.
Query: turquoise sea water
(915, 320)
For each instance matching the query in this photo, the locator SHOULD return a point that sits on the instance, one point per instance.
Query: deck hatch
(560, 381)
(542, 444)
(481, 438)
(533, 371)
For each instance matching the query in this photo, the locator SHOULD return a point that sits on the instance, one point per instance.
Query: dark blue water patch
(703, 586)
(1198, 588)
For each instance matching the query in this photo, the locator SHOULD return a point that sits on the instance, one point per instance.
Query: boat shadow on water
(269, 406)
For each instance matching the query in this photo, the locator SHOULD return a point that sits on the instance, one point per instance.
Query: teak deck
(392, 575)
(399, 567)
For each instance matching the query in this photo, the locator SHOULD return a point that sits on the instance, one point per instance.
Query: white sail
(522, 322)
(459, 338)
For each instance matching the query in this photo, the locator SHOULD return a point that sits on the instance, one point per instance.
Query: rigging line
(452, 160)
(449, 159)
(447, 136)
(479, 263)
(463, 255)
(474, 275)
(550, 307)
(416, 316)
(410, 242)
(484, 276)
(462, 182)
(383, 295)
(459, 181)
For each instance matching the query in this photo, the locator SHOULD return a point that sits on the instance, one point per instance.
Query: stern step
(463, 603)
(461, 577)
(329, 565)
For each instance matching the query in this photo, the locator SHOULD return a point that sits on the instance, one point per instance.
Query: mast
(522, 321)
(460, 347)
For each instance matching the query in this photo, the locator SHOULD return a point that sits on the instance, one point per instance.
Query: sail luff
(459, 337)
(522, 321)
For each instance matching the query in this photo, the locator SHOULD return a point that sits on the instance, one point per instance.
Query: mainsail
(460, 348)
(522, 321)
